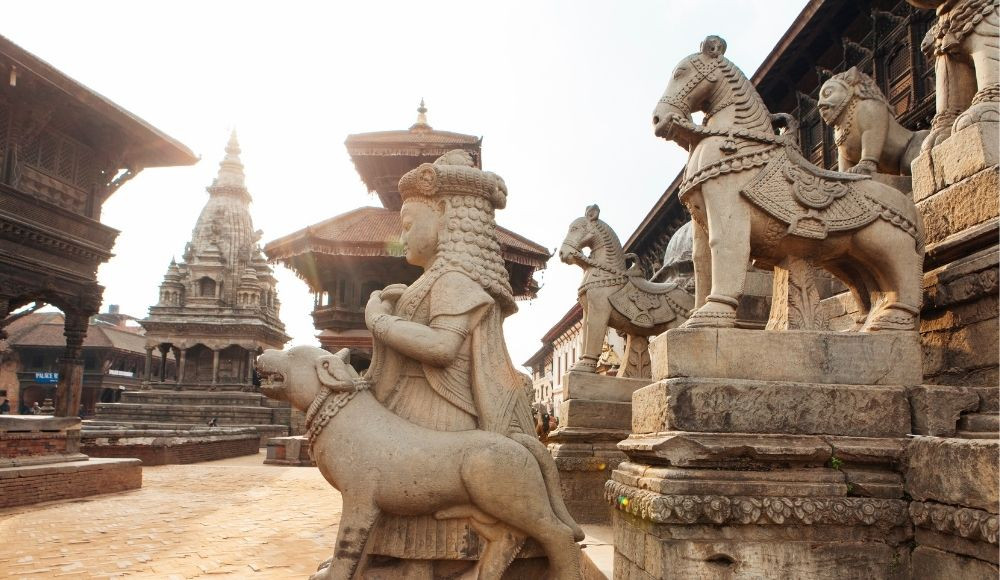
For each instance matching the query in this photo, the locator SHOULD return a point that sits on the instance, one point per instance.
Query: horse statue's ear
(853, 76)
(593, 212)
(713, 46)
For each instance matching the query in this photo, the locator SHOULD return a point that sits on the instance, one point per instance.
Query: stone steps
(194, 398)
(226, 415)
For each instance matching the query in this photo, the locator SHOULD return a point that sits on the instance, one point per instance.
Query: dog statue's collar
(326, 405)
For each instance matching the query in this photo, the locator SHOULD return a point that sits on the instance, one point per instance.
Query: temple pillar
(70, 386)
(148, 370)
(249, 369)
(215, 368)
(181, 354)
(164, 350)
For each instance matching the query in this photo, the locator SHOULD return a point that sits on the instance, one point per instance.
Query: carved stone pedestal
(768, 454)
(596, 413)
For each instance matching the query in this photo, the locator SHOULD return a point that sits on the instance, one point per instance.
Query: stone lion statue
(964, 44)
(384, 464)
(868, 137)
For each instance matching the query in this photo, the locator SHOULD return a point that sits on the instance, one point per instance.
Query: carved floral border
(965, 522)
(717, 509)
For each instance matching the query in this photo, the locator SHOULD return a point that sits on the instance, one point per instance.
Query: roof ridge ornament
(421, 124)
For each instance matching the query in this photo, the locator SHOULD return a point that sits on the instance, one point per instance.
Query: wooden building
(64, 149)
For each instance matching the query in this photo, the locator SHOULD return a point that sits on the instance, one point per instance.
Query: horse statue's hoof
(891, 319)
(710, 319)
(584, 365)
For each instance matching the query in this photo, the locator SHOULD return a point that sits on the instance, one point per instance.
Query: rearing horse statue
(613, 295)
(752, 195)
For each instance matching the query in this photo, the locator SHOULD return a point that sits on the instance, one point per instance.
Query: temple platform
(169, 446)
(40, 460)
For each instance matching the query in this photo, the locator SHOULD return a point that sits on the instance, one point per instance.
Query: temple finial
(231, 167)
(421, 123)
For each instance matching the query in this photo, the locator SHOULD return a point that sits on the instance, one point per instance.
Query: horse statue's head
(590, 232)
(692, 85)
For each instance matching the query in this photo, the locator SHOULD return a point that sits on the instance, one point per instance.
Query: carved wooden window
(61, 157)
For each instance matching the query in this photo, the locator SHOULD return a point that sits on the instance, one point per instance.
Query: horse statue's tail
(551, 477)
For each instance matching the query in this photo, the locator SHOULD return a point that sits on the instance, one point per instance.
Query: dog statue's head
(299, 374)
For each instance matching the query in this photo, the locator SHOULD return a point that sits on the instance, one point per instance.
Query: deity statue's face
(831, 99)
(420, 232)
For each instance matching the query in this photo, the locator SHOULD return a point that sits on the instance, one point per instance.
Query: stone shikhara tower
(218, 307)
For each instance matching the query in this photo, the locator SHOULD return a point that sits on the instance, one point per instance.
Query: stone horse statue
(753, 195)
(619, 297)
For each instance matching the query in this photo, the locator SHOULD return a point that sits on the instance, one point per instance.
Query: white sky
(561, 91)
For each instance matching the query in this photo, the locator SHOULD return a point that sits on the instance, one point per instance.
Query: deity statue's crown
(454, 173)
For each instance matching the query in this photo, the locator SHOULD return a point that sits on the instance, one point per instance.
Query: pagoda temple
(344, 258)
(217, 310)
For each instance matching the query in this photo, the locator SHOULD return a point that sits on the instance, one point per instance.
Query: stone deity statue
(446, 468)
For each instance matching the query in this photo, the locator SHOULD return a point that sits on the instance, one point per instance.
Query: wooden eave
(149, 147)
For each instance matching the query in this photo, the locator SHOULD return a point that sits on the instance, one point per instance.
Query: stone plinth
(170, 446)
(884, 358)
(768, 454)
(596, 413)
(289, 451)
(174, 410)
(40, 460)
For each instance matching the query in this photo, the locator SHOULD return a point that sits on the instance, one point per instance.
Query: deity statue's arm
(436, 345)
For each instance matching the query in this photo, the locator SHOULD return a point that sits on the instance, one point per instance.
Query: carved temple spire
(231, 176)
(421, 124)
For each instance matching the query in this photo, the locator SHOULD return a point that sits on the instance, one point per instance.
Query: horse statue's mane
(750, 108)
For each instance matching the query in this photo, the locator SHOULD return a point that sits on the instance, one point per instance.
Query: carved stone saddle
(647, 304)
(812, 201)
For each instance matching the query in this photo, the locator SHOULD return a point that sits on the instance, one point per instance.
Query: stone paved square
(234, 518)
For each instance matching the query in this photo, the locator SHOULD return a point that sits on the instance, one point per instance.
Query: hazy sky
(562, 93)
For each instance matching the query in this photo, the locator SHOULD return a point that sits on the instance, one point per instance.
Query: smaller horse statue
(753, 196)
(617, 296)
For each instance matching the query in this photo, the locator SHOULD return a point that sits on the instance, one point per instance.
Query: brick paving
(234, 518)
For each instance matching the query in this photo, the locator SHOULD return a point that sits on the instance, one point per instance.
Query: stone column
(70, 388)
(148, 371)
(249, 370)
(164, 350)
(215, 368)
(182, 359)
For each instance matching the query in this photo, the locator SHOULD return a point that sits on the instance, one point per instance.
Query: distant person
(5, 406)
(213, 422)
(36, 409)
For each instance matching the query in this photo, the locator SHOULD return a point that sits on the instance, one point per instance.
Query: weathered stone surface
(36, 423)
(792, 482)
(578, 385)
(725, 449)
(745, 406)
(883, 358)
(955, 545)
(936, 409)
(962, 472)
(960, 206)
(587, 435)
(867, 450)
(987, 424)
(968, 523)
(964, 154)
(929, 562)
(595, 414)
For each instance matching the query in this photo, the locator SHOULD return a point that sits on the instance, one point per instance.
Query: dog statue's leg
(360, 515)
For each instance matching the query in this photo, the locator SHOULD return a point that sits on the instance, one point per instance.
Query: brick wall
(27, 444)
(24, 486)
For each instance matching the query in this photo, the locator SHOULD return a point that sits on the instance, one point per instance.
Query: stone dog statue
(964, 44)
(382, 463)
(866, 132)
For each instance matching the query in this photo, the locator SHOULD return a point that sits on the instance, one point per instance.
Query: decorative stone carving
(431, 450)
(868, 137)
(966, 522)
(753, 195)
(964, 44)
(735, 510)
(615, 295)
